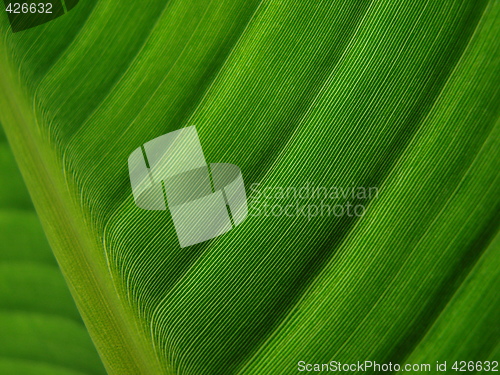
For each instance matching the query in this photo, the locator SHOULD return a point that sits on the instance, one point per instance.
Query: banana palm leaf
(399, 97)
(40, 328)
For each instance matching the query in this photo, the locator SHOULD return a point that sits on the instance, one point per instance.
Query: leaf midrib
(38, 165)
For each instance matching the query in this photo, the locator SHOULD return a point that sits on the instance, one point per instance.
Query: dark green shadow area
(70, 4)
(26, 14)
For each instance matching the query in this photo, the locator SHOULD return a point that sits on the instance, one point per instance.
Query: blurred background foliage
(41, 331)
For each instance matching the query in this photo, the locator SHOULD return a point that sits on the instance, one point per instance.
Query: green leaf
(40, 327)
(399, 97)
